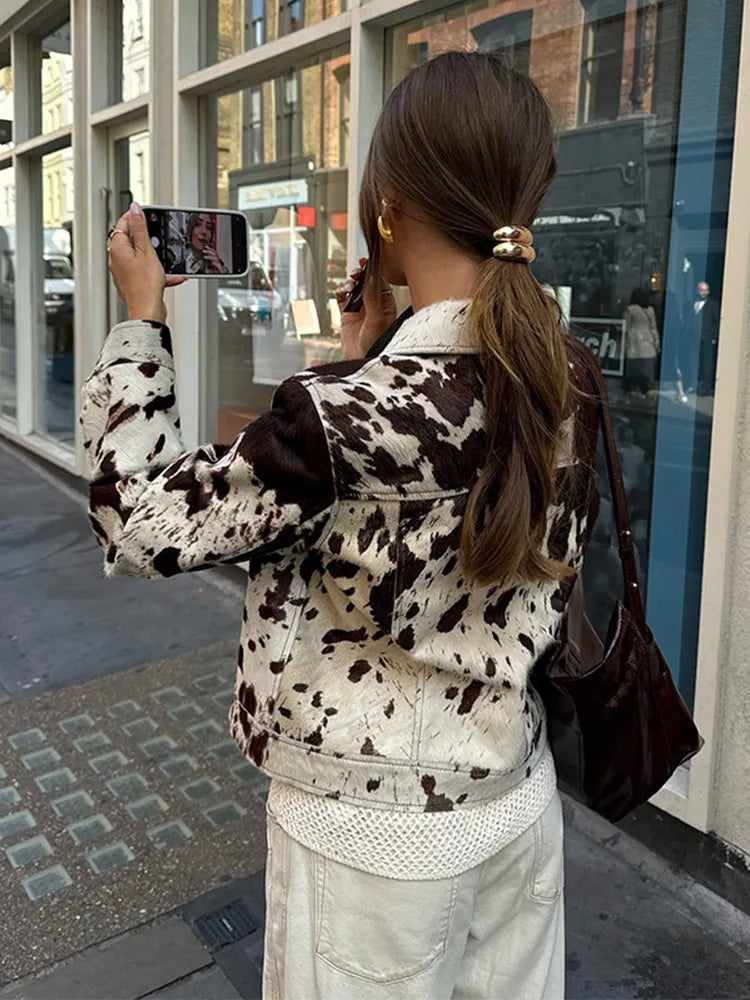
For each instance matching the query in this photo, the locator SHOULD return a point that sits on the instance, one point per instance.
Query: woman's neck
(436, 273)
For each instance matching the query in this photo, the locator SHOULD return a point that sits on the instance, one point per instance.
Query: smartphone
(199, 242)
(354, 303)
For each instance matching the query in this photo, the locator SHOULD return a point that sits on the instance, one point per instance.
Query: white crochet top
(412, 846)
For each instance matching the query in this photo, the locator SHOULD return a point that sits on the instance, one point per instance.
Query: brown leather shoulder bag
(617, 724)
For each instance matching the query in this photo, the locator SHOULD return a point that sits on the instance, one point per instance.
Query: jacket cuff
(137, 341)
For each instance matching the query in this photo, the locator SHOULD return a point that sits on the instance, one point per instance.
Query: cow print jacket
(370, 670)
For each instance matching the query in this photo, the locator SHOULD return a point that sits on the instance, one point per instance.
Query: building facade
(266, 107)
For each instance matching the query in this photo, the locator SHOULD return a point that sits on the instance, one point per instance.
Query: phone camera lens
(155, 242)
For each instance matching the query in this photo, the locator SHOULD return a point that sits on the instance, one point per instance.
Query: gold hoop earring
(385, 231)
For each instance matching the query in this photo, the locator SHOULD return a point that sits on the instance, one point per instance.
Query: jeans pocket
(381, 929)
(547, 871)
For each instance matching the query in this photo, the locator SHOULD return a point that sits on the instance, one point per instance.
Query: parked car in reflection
(248, 301)
(59, 289)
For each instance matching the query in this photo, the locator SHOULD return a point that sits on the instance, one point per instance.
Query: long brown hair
(466, 141)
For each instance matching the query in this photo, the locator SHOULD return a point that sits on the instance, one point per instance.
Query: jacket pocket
(381, 929)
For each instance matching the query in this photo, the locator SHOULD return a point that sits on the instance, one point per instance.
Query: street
(132, 831)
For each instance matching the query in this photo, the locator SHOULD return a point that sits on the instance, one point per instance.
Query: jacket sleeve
(157, 510)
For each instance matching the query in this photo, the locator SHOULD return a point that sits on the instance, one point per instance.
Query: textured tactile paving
(209, 683)
(169, 697)
(27, 739)
(127, 786)
(28, 851)
(86, 831)
(226, 750)
(71, 806)
(158, 747)
(15, 823)
(148, 807)
(106, 859)
(42, 759)
(206, 731)
(179, 766)
(140, 729)
(223, 813)
(46, 882)
(186, 713)
(108, 763)
(170, 834)
(92, 742)
(124, 711)
(76, 725)
(56, 781)
(201, 789)
(8, 797)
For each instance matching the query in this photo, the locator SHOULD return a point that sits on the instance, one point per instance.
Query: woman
(201, 256)
(641, 343)
(414, 517)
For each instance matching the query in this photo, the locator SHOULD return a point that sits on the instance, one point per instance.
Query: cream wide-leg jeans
(496, 932)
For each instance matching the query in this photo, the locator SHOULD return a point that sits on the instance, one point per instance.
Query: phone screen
(199, 242)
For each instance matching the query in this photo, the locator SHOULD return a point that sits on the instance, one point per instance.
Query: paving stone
(179, 766)
(106, 859)
(228, 750)
(3, 772)
(224, 698)
(17, 822)
(9, 797)
(188, 712)
(147, 808)
(158, 747)
(223, 813)
(206, 730)
(200, 789)
(38, 759)
(76, 725)
(170, 834)
(28, 851)
(124, 711)
(206, 983)
(86, 831)
(169, 697)
(108, 763)
(244, 771)
(91, 742)
(209, 683)
(133, 965)
(125, 786)
(55, 781)
(74, 805)
(140, 729)
(46, 882)
(28, 739)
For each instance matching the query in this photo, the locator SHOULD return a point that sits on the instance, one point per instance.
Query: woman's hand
(360, 330)
(214, 264)
(136, 270)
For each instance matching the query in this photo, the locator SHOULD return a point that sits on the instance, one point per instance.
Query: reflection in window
(229, 27)
(292, 187)
(135, 49)
(601, 66)
(6, 108)
(7, 293)
(55, 343)
(57, 80)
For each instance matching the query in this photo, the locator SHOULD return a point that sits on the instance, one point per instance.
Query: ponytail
(516, 326)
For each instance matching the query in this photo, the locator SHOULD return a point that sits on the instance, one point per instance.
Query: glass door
(130, 180)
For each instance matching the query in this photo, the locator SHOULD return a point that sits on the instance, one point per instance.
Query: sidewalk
(131, 831)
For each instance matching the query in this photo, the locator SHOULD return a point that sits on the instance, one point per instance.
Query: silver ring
(113, 232)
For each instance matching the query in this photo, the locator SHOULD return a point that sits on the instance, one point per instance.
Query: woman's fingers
(173, 280)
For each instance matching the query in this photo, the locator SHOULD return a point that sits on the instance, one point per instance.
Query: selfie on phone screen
(197, 242)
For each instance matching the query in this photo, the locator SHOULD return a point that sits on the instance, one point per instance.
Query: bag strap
(633, 600)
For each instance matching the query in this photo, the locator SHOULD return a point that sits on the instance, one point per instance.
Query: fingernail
(135, 208)
(348, 286)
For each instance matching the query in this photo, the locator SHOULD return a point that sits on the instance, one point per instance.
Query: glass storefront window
(233, 26)
(57, 80)
(135, 48)
(55, 345)
(7, 293)
(6, 109)
(281, 160)
(631, 237)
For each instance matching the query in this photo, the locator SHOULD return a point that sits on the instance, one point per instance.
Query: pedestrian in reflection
(705, 337)
(642, 346)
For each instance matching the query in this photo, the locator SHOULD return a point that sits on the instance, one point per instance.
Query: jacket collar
(440, 328)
